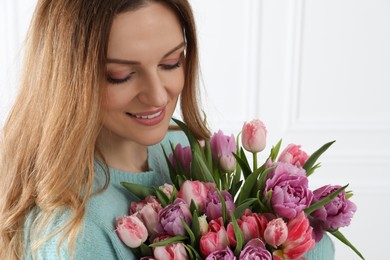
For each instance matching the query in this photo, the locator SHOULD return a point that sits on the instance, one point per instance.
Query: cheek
(175, 83)
(117, 97)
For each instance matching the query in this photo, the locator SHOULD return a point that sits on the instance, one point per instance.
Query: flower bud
(276, 232)
(131, 231)
(254, 136)
(203, 224)
(294, 155)
(167, 189)
(222, 148)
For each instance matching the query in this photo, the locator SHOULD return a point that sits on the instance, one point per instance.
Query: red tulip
(251, 224)
(215, 239)
(299, 239)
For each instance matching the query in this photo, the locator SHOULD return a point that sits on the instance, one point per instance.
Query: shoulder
(324, 250)
(96, 239)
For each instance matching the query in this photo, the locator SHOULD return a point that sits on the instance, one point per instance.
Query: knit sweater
(97, 239)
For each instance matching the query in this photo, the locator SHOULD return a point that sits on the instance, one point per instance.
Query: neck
(123, 155)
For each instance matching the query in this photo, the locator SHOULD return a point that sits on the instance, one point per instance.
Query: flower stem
(254, 161)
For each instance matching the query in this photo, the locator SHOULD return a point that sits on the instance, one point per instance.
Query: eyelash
(163, 66)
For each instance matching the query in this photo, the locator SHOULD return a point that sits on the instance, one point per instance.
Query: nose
(153, 91)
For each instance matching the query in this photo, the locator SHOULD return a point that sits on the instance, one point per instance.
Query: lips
(150, 118)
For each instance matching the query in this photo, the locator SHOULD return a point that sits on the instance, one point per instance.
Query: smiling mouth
(150, 116)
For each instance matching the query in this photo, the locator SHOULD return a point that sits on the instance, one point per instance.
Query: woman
(100, 83)
(89, 93)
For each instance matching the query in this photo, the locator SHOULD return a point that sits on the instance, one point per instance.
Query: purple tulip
(224, 254)
(290, 193)
(255, 249)
(222, 148)
(170, 218)
(213, 207)
(183, 155)
(335, 214)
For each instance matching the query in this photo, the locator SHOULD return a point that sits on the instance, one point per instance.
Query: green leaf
(173, 195)
(223, 206)
(235, 187)
(247, 187)
(138, 190)
(162, 197)
(313, 158)
(239, 235)
(189, 251)
(170, 240)
(217, 177)
(263, 207)
(195, 226)
(199, 169)
(145, 250)
(180, 180)
(194, 143)
(243, 162)
(244, 205)
(172, 172)
(343, 239)
(312, 169)
(189, 231)
(193, 253)
(193, 206)
(268, 197)
(208, 155)
(348, 195)
(263, 179)
(324, 201)
(275, 151)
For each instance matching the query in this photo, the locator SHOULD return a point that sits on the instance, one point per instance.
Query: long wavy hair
(48, 143)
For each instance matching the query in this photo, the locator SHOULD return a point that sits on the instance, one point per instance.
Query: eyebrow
(132, 62)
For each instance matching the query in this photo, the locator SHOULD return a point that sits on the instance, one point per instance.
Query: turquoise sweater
(98, 239)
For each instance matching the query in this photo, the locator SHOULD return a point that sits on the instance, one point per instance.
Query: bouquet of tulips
(220, 206)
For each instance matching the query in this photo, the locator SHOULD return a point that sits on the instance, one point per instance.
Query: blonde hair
(48, 143)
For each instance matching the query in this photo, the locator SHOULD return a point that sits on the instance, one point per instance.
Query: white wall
(313, 71)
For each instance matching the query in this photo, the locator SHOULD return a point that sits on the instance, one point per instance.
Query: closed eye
(171, 66)
(113, 80)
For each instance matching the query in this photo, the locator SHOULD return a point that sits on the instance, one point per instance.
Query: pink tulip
(131, 231)
(167, 189)
(137, 206)
(194, 190)
(175, 251)
(294, 155)
(170, 251)
(215, 239)
(251, 224)
(276, 232)
(147, 211)
(299, 239)
(254, 136)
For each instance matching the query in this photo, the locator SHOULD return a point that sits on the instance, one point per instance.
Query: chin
(154, 137)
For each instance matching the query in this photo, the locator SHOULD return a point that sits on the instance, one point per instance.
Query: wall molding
(293, 86)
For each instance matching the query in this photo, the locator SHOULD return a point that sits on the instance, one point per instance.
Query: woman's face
(145, 74)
